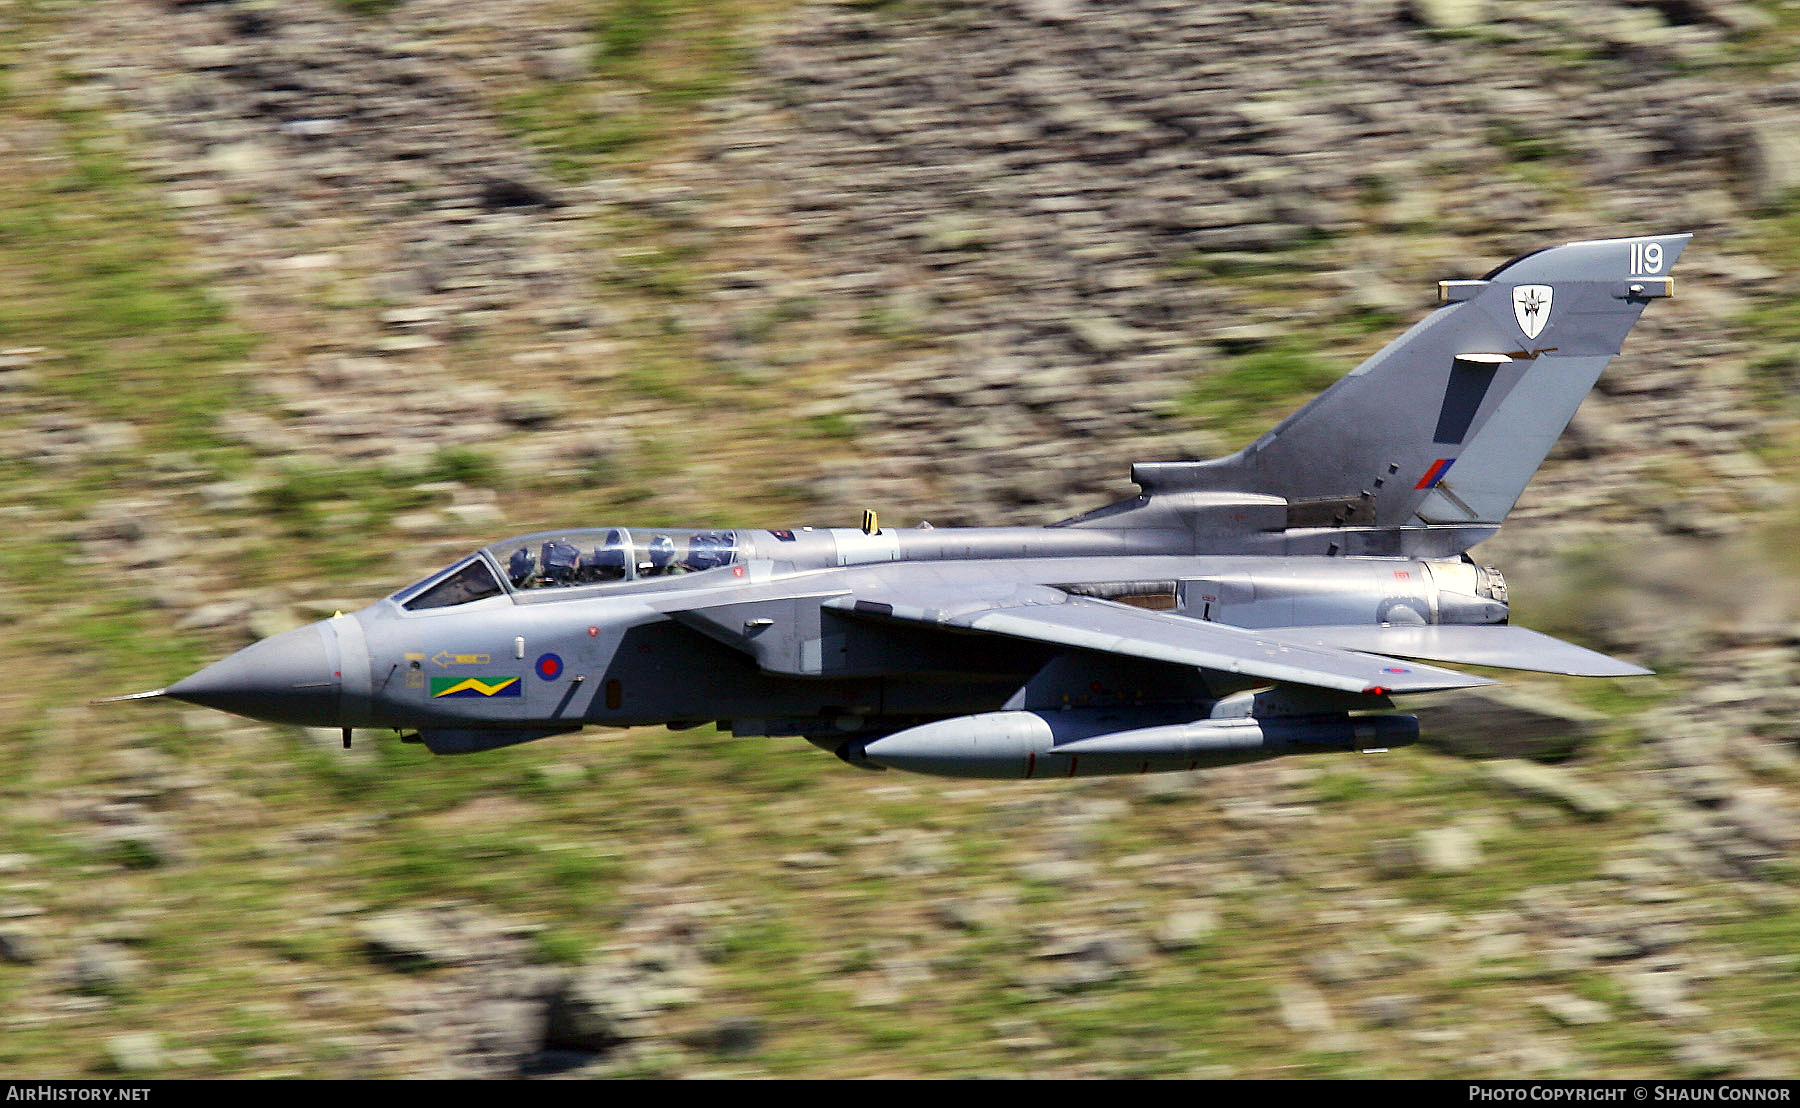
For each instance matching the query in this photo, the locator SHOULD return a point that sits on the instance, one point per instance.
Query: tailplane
(1425, 447)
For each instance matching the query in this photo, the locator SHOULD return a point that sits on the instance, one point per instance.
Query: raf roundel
(549, 667)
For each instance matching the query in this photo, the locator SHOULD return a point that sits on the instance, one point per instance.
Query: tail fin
(1443, 428)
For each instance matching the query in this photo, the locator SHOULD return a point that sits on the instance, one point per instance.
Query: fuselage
(632, 626)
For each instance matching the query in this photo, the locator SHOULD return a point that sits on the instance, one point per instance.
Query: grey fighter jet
(1272, 602)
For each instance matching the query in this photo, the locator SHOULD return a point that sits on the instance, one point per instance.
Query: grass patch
(680, 51)
(369, 8)
(468, 466)
(652, 63)
(1247, 393)
(574, 132)
(92, 271)
(555, 948)
(321, 501)
(626, 29)
(1764, 993)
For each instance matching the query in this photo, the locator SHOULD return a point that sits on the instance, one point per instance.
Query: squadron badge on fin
(1531, 307)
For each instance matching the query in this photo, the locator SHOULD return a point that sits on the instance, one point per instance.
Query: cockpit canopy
(567, 559)
(562, 558)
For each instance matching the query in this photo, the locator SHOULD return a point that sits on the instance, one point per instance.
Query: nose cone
(292, 677)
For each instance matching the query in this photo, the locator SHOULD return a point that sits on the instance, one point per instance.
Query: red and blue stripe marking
(1435, 474)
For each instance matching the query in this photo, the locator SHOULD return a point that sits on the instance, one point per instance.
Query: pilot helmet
(701, 553)
(662, 551)
(560, 560)
(520, 566)
(606, 563)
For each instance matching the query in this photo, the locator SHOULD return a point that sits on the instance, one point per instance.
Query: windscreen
(473, 580)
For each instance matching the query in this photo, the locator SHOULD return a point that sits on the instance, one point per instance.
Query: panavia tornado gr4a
(1272, 602)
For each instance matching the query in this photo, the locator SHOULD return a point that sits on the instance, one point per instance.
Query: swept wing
(1499, 644)
(1049, 615)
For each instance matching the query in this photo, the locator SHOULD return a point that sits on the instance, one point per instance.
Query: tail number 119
(1646, 257)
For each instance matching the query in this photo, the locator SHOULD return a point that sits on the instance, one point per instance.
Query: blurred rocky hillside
(304, 298)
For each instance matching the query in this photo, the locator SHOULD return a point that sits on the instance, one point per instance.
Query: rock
(1557, 785)
(391, 345)
(267, 622)
(1388, 1009)
(476, 517)
(1243, 338)
(1448, 849)
(953, 231)
(1102, 336)
(1764, 816)
(136, 1052)
(241, 161)
(1395, 858)
(959, 914)
(115, 527)
(1303, 1009)
(218, 613)
(1186, 928)
(1704, 1057)
(568, 63)
(1662, 995)
(1082, 961)
(104, 969)
(1423, 923)
(1336, 967)
(18, 946)
(595, 1010)
(141, 846)
(231, 497)
(733, 1038)
(505, 192)
(506, 1031)
(111, 438)
(426, 521)
(1053, 11)
(1018, 1036)
(1769, 159)
(405, 940)
(1571, 1011)
(531, 410)
(1056, 871)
